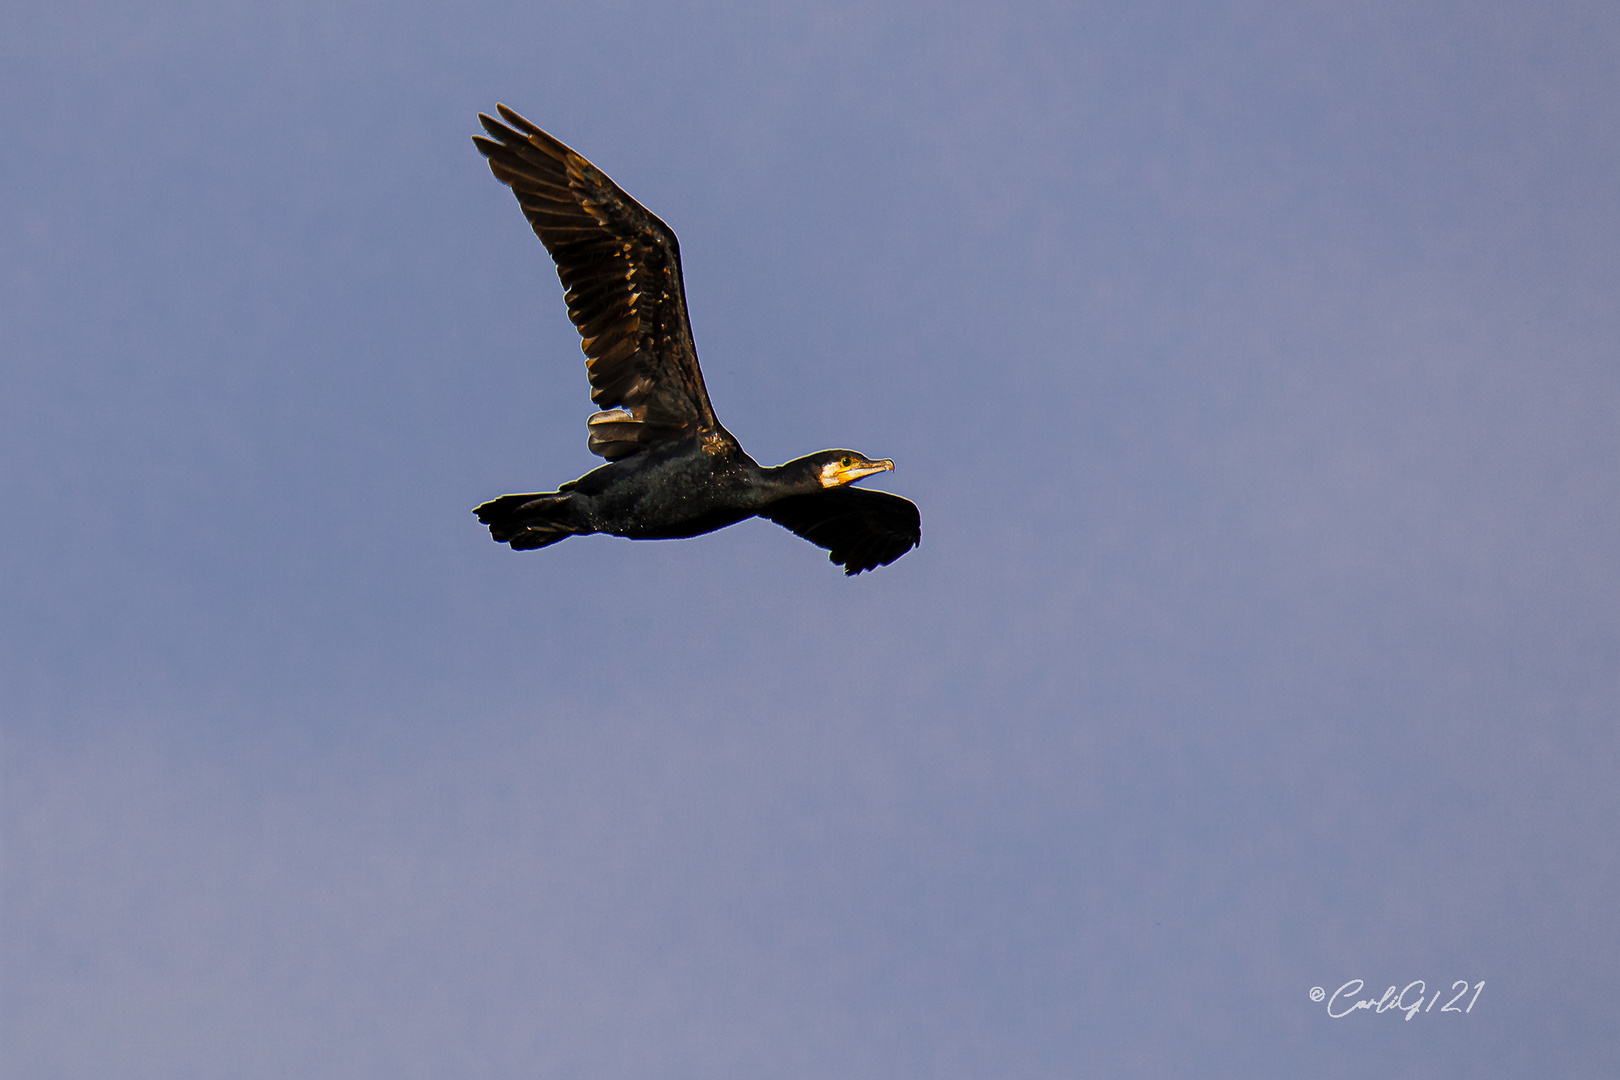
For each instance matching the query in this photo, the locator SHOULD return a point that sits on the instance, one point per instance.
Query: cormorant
(673, 471)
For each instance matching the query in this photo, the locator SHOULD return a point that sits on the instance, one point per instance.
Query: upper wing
(622, 269)
(863, 529)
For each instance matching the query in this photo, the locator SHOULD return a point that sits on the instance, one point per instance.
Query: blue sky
(1254, 367)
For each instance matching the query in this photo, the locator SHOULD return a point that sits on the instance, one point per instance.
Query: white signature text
(1346, 999)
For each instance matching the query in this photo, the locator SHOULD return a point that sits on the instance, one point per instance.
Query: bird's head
(835, 468)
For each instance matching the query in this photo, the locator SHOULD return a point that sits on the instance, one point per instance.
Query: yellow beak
(851, 473)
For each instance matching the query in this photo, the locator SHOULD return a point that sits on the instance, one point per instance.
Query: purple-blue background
(1256, 368)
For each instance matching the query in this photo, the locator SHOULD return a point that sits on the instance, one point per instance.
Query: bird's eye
(845, 463)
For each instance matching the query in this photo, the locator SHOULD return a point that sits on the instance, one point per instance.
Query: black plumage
(673, 471)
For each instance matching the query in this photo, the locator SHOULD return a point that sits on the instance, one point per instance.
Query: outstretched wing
(863, 529)
(621, 267)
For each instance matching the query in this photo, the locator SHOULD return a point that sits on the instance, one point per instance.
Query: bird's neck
(779, 481)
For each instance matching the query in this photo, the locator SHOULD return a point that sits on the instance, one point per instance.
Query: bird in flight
(673, 471)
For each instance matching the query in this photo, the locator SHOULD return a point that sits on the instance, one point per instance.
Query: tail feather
(530, 521)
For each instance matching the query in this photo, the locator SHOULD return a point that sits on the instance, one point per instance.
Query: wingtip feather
(511, 117)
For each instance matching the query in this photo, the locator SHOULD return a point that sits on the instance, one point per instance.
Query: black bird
(672, 470)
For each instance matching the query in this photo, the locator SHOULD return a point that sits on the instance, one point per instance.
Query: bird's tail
(529, 521)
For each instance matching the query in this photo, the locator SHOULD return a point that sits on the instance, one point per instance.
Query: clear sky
(1256, 368)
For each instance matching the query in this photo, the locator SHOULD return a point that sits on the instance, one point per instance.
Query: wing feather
(621, 267)
(861, 529)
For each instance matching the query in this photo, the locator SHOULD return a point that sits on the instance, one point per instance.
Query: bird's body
(673, 491)
(673, 471)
